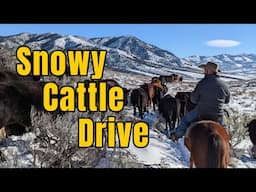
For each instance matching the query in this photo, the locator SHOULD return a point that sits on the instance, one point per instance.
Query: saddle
(203, 118)
(209, 117)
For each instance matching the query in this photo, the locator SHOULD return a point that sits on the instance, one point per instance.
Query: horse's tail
(214, 151)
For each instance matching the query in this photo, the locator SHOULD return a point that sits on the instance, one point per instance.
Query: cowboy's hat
(212, 66)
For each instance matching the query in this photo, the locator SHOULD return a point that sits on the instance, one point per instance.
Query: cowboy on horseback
(210, 95)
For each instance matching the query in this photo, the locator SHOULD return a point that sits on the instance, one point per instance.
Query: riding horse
(208, 143)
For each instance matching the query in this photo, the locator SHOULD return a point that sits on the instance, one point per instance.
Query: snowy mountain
(130, 54)
(125, 53)
(243, 63)
(141, 50)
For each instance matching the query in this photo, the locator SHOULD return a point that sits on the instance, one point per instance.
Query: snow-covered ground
(161, 152)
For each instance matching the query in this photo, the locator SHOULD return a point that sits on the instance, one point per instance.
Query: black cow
(159, 93)
(168, 107)
(252, 134)
(139, 98)
(185, 104)
(109, 84)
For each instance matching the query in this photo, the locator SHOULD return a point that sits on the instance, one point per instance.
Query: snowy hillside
(140, 49)
(236, 64)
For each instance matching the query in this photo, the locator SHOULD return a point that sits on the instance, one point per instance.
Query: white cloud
(222, 43)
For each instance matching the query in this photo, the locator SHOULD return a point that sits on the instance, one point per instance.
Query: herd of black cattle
(18, 94)
(171, 108)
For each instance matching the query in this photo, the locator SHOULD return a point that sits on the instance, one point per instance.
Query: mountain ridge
(130, 54)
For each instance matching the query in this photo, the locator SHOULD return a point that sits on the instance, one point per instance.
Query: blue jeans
(185, 122)
(190, 117)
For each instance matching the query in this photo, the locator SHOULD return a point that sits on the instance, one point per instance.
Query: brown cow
(150, 89)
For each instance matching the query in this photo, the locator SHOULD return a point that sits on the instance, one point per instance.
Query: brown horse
(208, 143)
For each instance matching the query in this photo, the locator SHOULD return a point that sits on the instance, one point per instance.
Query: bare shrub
(7, 59)
(238, 132)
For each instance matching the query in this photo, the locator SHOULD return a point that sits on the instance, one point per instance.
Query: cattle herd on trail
(18, 94)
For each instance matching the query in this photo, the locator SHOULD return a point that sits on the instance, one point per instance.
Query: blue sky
(181, 39)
